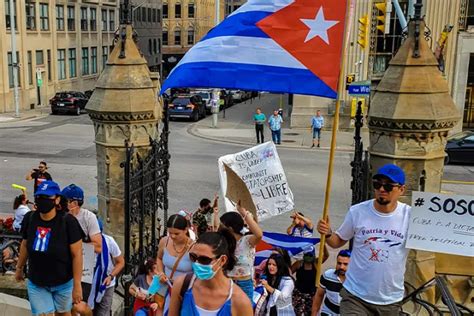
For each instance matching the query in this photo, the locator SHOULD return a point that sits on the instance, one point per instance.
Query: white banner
(88, 262)
(442, 223)
(261, 170)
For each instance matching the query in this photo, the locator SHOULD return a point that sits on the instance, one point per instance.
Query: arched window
(191, 10)
(190, 35)
(177, 36)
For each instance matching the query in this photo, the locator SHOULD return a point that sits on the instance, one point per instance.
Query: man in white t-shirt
(378, 227)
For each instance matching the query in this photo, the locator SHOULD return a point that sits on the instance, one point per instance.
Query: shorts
(316, 133)
(50, 299)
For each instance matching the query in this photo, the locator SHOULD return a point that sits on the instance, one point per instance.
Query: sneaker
(312, 146)
(318, 146)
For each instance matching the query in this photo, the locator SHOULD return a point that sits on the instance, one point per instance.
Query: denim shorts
(316, 133)
(50, 299)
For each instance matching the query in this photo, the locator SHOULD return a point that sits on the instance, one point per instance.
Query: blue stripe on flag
(240, 24)
(247, 77)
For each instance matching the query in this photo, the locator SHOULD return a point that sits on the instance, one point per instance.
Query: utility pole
(14, 60)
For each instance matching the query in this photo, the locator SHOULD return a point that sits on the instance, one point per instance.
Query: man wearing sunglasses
(39, 175)
(378, 227)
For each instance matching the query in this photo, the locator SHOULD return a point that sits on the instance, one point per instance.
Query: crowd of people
(205, 265)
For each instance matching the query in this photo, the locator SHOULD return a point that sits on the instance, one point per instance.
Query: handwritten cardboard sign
(260, 169)
(442, 223)
(88, 262)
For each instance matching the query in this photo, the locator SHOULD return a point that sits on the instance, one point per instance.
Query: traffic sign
(350, 79)
(359, 88)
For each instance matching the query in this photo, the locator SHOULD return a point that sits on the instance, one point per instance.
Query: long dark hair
(177, 221)
(233, 221)
(222, 243)
(18, 201)
(282, 270)
(147, 266)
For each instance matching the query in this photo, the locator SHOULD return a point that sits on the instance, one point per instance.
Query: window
(11, 68)
(85, 61)
(48, 55)
(93, 19)
(7, 14)
(59, 18)
(165, 10)
(191, 36)
(177, 10)
(93, 60)
(154, 15)
(155, 47)
(149, 15)
(44, 17)
(158, 15)
(177, 37)
(71, 19)
(112, 20)
(191, 10)
(138, 17)
(30, 16)
(83, 19)
(105, 56)
(104, 20)
(30, 67)
(72, 63)
(39, 58)
(61, 64)
(165, 37)
(150, 49)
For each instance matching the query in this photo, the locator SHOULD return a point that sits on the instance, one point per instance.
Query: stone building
(146, 20)
(185, 22)
(370, 63)
(63, 43)
(232, 5)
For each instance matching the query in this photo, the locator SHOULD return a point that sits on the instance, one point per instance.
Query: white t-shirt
(114, 252)
(377, 267)
(19, 214)
(88, 222)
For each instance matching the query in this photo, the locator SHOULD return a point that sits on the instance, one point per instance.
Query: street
(67, 144)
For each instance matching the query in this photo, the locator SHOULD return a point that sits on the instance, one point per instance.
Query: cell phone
(36, 170)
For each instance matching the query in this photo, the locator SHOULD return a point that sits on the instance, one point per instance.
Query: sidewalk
(237, 127)
(24, 114)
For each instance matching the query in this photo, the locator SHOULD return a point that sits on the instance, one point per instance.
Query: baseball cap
(393, 172)
(48, 188)
(73, 192)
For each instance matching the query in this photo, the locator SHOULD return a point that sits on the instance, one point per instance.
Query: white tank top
(205, 312)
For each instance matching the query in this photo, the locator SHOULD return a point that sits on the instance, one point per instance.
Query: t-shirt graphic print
(42, 239)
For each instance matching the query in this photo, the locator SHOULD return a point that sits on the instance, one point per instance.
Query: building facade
(185, 22)
(61, 45)
(370, 63)
(232, 5)
(146, 20)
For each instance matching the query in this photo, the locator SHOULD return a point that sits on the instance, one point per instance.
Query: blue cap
(48, 188)
(73, 192)
(393, 172)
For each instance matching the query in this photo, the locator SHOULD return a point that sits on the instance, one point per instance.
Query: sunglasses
(386, 186)
(200, 259)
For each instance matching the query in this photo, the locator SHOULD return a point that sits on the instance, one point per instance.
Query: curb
(23, 118)
(192, 130)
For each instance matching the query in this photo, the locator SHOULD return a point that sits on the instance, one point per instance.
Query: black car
(460, 148)
(187, 106)
(68, 102)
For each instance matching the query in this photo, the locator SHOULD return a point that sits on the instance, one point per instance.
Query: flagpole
(335, 126)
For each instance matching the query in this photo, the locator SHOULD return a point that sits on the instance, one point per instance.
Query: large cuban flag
(283, 46)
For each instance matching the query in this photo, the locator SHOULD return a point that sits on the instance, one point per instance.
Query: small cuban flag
(42, 239)
(282, 46)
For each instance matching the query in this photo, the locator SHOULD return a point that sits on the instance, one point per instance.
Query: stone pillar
(124, 108)
(410, 116)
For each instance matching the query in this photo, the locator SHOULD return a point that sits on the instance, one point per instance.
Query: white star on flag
(319, 26)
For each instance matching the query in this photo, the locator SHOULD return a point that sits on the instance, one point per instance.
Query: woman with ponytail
(173, 257)
(245, 249)
(209, 291)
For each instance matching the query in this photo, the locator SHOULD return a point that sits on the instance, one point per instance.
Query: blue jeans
(276, 136)
(50, 299)
(316, 133)
(247, 287)
(142, 311)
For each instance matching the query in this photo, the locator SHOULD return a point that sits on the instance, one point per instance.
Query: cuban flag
(282, 46)
(294, 245)
(42, 239)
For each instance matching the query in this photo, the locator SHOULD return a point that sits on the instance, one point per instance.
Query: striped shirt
(331, 283)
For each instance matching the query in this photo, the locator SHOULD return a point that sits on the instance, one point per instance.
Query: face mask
(203, 271)
(45, 205)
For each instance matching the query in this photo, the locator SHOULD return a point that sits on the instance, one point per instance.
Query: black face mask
(44, 205)
(62, 204)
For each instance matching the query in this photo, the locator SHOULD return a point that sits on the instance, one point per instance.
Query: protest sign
(237, 191)
(260, 169)
(88, 262)
(442, 223)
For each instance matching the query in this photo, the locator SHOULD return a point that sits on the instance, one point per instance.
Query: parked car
(237, 95)
(206, 97)
(460, 148)
(68, 102)
(187, 106)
